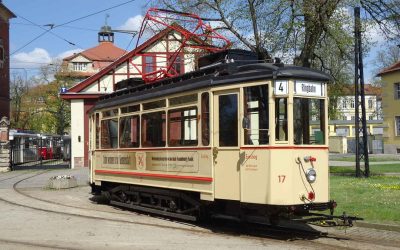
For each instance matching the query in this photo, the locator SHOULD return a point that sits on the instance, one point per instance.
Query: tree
(36, 104)
(312, 33)
(18, 90)
(387, 56)
(279, 26)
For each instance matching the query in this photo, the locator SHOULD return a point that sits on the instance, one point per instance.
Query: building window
(353, 118)
(177, 65)
(397, 90)
(371, 117)
(344, 104)
(352, 105)
(397, 123)
(149, 64)
(370, 104)
(79, 66)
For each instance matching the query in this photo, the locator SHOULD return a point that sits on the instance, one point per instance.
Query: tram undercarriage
(188, 206)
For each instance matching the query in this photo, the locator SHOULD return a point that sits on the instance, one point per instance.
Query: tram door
(226, 145)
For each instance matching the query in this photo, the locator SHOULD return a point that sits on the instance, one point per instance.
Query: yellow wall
(391, 108)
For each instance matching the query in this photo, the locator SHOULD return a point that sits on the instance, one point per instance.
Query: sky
(29, 51)
(35, 16)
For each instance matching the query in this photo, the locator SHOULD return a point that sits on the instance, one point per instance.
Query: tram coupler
(332, 220)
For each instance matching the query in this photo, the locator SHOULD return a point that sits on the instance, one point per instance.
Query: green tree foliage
(37, 105)
(312, 33)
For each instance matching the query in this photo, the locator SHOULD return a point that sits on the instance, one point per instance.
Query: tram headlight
(311, 175)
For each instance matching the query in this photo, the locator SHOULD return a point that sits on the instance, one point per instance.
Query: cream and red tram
(234, 137)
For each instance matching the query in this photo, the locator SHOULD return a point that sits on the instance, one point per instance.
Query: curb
(385, 227)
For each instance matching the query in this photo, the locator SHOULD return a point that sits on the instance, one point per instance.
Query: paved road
(36, 217)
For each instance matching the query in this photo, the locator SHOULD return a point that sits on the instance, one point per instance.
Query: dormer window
(79, 66)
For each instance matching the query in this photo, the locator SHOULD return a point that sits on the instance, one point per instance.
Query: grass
(374, 169)
(376, 199)
(371, 158)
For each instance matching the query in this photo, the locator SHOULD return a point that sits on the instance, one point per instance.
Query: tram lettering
(308, 88)
(280, 87)
(281, 178)
(124, 160)
(251, 157)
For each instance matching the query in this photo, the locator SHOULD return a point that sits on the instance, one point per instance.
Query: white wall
(77, 129)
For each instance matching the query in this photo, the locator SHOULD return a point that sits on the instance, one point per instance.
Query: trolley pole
(360, 119)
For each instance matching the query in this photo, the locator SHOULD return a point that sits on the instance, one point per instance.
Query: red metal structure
(193, 33)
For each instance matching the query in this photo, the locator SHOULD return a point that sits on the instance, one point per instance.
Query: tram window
(309, 126)
(255, 121)
(182, 127)
(205, 119)
(182, 100)
(281, 128)
(153, 129)
(97, 125)
(130, 109)
(109, 133)
(112, 112)
(129, 132)
(154, 105)
(228, 120)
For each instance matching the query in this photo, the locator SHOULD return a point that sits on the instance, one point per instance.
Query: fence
(39, 151)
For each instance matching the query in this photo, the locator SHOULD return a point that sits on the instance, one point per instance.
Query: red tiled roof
(105, 51)
(368, 90)
(87, 82)
(104, 70)
(391, 68)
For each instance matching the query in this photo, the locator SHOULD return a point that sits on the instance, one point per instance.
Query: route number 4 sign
(281, 87)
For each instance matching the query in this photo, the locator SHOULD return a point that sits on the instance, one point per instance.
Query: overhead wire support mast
(360, 119)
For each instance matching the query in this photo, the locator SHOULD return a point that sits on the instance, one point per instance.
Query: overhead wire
(63, 24)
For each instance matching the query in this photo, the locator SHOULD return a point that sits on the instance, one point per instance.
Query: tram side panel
(184, 170)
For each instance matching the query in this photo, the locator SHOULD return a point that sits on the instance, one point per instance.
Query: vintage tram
(236, 137)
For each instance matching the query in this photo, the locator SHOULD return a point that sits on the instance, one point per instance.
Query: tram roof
(217, 75)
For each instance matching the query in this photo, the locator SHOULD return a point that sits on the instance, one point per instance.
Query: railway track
(222, 227)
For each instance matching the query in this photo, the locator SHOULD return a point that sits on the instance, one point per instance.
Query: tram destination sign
(305, 88)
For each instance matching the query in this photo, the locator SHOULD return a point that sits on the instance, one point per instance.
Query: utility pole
(360, 119)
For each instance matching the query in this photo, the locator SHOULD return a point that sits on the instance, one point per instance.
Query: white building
(148, 57)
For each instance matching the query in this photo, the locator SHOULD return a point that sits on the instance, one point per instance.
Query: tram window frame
(97, 130)
(180, 127)
(305, 113)
(155, 129)
(154, 104)
(130, 109)
(255, 121)
(228, 134)
(127, 130)
(112, 141)
(205, 119)
(281, 124)
(110, 113)
(183, 100)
